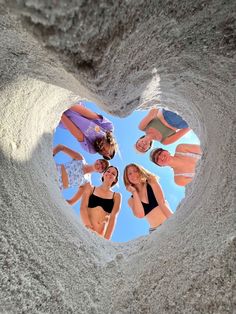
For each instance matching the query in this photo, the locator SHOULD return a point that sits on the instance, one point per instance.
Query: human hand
(105, 221)
(153, 113)
(90, 226)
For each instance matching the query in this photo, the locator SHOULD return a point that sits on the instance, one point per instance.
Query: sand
(125, 56)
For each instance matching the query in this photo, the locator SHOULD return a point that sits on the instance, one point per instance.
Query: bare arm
(76, 197)
(85, 112)
(149, 117)
(189, 148)
(84, 208)
(74, 130)
(157, 190)
(175, 137)
(113, 216)
(135, 203)
(68, 151)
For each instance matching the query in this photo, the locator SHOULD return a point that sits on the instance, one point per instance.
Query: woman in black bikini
(100, 205)
(147, 198)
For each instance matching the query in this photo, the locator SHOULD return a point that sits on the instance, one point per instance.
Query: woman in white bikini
(147, 198)
(100, 205)
(160, 125)
(76, 172)
(183, 162)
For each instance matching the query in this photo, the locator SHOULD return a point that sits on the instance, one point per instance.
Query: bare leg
(85, 112)
(64, 177)
(74, 130)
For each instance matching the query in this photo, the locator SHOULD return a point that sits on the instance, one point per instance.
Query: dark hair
(147, 148)
(116, 180)
(153, 154)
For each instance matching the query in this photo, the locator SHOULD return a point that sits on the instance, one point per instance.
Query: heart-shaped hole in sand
(126, 133)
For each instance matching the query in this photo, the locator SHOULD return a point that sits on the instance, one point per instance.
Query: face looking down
(143, 144)
(133, 175)
(100, 165)
(110, 175)
(106, 149)
(161, 158)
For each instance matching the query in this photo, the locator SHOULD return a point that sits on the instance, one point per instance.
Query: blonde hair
(110, 139)
(105, 164)
(144, 173)
(114, 145)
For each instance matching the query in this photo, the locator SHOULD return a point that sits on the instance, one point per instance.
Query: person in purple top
(93, 131)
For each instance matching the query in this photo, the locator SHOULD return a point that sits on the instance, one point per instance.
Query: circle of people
(100, 206)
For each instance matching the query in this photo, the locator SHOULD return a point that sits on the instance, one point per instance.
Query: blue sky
(126, 132)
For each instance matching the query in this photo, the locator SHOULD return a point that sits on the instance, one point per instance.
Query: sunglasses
(155, 156)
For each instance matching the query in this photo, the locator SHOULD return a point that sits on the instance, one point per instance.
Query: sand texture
(123, 55)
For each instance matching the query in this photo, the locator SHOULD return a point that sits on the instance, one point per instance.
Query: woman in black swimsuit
(147, 198)
(100, 205)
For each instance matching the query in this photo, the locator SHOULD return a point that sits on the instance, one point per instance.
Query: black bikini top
(152, 202)
(106, 203)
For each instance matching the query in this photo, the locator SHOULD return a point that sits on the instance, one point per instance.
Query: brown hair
(153, 154)
(135, 146)
(145, 174)
(105, 164)
(116, 179)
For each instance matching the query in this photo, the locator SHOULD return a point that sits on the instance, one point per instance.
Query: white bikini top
(186, 174)
(193, 155)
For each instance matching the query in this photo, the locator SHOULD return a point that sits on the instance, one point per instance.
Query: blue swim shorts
(174, 119)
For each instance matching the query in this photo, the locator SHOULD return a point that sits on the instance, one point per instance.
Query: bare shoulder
(191, 148)
(87, 185)
(88, 188)
(117, 196)
(156, 187)
(152, 179)
(130, 202)
(181, 148)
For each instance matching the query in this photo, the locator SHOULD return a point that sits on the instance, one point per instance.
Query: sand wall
(124, 55)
